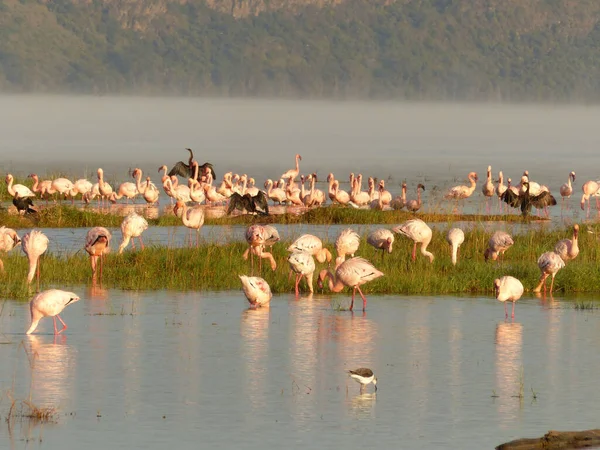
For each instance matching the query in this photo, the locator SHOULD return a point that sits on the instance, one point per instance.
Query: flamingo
(549, 263)
(414, 205)
(347, 243)
(132, 226)
(17, 190)
(351, 273)
(128, 190)
(34, 244)
(568, 249)
(358, 196)
(377, 202)
(211, 193)
(196, 191)
(193, 218)
(303, 265)
(399, 202)
(256, 236)
(312, 245)
(500, 189)
(317, 195)
(511, 195)
(590, 188)
(97, 244)
(61, 185)
(256, 290)
(81, 186)
(150, 192)
(275, 194)
(419, 232)
(381, 239)
(488, 188)
(566, 189)
(104, 189)
(455, 238)
(293, 173)
(385, 196)
(177, 191)
(50, 303)
(342, 197)
(41, 187)
(330, 190)
(463, 192)
(292, 193)
(271, 236)
(499, 242)
(251, 189)
(9, 239)
(508, 289)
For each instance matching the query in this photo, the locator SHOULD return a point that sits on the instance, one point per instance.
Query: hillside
(508, 50)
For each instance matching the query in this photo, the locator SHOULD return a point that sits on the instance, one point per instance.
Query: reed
(215, 267)
(65, 216)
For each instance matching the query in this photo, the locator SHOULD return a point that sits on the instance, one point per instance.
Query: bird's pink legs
(414, 252)
(298, 278)
(506, 311)
(133, 243)
(61, 321)
(551, 284)
(363, 297)
(513, 311)
(141, 242)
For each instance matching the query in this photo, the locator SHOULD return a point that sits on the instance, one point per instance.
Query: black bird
(187, 170)
(510, 198)
(540, 201)
(249, 203)
(24, 205)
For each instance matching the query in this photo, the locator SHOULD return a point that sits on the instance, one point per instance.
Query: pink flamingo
(293, 173)
(41, 187)
(385, 196)
(256, 290)
(382, 239)
(330, 190)
(568, 249)
(351, 273)
(455, 238)
(420, 233)
(104, 189)
(9, 239)
(303, 265)
(312, 245)
(15, 190)
(488, 188)
(193, 218)
(97, 244)
(132, 226)
(399, 202)
(347, 243)
(499, 242)
(275, 194)
(500, 189)
(508, 289)
(50, 303)
(61, 185)
(566, 189)
(256, 236)
(358, 196)
(342, 197)
(414, 205)
(81, 186)
(128, 190)
(34, 244)
(462, 192)
(150, 192)
(549, 263)
(590, 188)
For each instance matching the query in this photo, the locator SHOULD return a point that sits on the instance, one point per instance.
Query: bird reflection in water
(96, 291)
(362, 406)
(509, 344)
(254, 328)
(547, 301)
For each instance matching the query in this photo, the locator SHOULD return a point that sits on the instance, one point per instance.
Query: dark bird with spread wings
(540, 201)
(187, 170)
(249, 203)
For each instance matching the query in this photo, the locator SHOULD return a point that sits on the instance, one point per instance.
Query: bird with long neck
(508, 289)
(293, 173)
(311, 244)
(97, 244)
(549, 263)
(17, 190)
(568, 249)
(256, 290)
(399, 202)
(342, 197)
(330, 191)
(589, 189)
(420, 233)
(151, 193)
(455, 238)
(34, 244)
(275, 194)
(567, 189)
(104, 188)
(50, 303)
(132, 226)
(500, 189)
(488, 189)
(414, 205)
(303, 265)
(41, 187)
(193, 218)
(351, 273)
(9, 239)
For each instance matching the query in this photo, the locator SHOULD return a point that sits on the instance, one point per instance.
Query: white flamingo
(488, 188)
(342, 197)
(81, 186)
(50, 303)
(455, 238)
(382, 239)
(15, 190)
(256, 236)
(420, 233)
(462, 192)
(34, 244)
(549, 263)
(568, 249)
(508, 289)
(9, 239)
(275, 194)
(312, 245)
(256, 290)
(347, 243)
(127, 189)
(132, 227)
(61, 185)
(104, 189)
(293, 173)
(566, 190)
(499, 242)
(151, 193)
(97, 244)
(41, 187)
(589, 189)
(193, 218)
(351, 273)
(303, 265)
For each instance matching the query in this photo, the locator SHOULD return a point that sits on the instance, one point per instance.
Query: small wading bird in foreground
(50, 303)
(363, 376)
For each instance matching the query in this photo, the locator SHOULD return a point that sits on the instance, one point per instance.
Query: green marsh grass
(215, 267)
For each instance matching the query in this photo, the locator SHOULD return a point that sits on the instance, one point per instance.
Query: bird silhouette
(257, 204)
(186, 170)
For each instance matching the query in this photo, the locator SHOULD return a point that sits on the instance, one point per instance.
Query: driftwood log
(556, 440)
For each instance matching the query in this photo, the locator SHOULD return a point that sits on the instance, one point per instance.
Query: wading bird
(17, 189)
(193, 218)
(9, 239)
(568, 249)
(97, 244)
(256, 290)
(589, 189)
(351, 273)
(256, 236)
(420, 233)
(382, 239)
(312, 245)
(132, 227)
(508, 289)
(185, 170)
(50, 303)
(462, 192)
(499, 242)
(293, 173)
(303, 265)
(566, 189)
(549, 263)
(363, 376)
(455, 238)
(34, 244)
(347, 243)
(540, 201)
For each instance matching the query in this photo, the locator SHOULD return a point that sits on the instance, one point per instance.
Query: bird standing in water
(363, 376)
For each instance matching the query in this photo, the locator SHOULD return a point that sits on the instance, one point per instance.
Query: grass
(66, 216)
(215, 267)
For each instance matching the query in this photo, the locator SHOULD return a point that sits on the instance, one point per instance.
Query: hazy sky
(433, 142)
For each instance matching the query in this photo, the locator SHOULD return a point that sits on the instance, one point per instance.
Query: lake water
(153, 369)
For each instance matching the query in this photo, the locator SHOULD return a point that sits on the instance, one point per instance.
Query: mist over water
(438, 143)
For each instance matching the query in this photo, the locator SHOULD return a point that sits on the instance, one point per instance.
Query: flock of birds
(241, 193)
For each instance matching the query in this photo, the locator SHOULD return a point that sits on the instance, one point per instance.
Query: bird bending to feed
(303, 265)
(589, 189)
(508, 289)
(568, 249)
(497, 245)
(257, 204)
(186, 170)
(455, 238)
(381, 239)
(9, 239)
(420, 233)
(347, 243)
(256, 290)
(308, 243)
(97, 244)
(363, 376)
(132, 227)
(34, 244)
(50, 303)
(351, 273)
(549, 263)
(256, 236)
(566, 189)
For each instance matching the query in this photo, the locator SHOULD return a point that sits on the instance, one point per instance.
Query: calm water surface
(152, 369)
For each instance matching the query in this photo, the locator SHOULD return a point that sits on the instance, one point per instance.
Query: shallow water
(151, 368)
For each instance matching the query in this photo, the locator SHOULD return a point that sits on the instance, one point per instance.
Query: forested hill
(508, 50)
